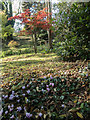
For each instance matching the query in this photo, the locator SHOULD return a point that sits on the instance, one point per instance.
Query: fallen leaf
(80, 115)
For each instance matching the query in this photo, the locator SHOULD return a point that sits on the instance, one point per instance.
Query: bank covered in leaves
(46, 98)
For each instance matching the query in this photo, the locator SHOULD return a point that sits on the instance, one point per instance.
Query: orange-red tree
(34, 23)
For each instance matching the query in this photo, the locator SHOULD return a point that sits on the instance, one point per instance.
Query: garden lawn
(42, 87)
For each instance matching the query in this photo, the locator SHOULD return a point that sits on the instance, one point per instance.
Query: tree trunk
(10, 8)
(50, 39)
(35, 42)
(34, 39)
(48, 5)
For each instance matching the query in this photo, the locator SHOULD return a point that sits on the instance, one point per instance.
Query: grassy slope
(41, 64)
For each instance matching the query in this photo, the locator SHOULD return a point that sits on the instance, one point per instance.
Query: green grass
(45, 64)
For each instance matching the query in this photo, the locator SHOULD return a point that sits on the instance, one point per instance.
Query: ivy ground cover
(45, 89)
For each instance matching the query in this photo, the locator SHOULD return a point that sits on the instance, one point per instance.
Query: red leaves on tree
(35, 21)
(10, 18)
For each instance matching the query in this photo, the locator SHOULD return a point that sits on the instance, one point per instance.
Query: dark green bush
(72, 28)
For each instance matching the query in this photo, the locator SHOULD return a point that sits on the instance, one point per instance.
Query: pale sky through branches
(17, 6)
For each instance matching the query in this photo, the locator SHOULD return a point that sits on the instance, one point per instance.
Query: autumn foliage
(35, 22)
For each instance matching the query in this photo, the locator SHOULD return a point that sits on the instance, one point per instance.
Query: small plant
(13, 44)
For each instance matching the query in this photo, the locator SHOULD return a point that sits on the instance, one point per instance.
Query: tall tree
(36, 6)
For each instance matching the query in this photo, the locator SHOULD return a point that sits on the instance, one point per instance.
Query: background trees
(6, 26)
(7, 30)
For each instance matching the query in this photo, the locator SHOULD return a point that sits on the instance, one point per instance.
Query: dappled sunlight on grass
(41, 64)
(29, 57)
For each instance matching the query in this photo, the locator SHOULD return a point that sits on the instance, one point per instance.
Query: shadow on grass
(28, 62)
(2, 65)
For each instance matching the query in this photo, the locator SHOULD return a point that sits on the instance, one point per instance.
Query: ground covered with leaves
(42, 87)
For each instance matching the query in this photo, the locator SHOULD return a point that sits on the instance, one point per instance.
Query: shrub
(15, 52)
(13, 43)
(7, 53)
(46, 51)
(72, 31)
